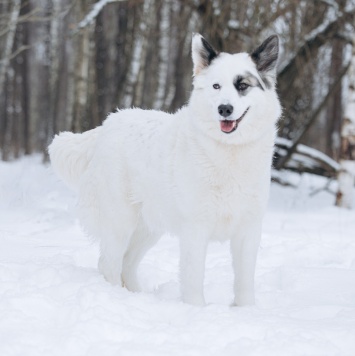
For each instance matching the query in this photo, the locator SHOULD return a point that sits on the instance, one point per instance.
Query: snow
(54, 301)
(234, 24)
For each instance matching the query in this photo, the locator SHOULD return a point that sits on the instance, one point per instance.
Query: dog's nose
(225, 110)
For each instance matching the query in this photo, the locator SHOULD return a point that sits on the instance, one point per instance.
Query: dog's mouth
(228, 126)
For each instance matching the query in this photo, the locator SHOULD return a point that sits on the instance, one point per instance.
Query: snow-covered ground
(53, 301)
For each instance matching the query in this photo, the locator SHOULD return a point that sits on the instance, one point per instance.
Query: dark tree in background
(65, 64)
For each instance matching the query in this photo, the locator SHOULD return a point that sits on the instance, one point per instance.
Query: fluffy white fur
(144, 173)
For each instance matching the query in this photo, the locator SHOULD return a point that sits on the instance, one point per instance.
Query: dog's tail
(71, 153)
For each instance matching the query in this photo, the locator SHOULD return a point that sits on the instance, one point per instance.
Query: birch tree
(346, 177)
(5, 72)
(9, 41)
(84, 42)
(54, 67)
(163, 54)
(139, 55)
(86, 58)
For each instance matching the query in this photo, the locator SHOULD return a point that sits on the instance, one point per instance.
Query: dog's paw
(131, 284)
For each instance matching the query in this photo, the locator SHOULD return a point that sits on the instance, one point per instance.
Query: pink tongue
(227, 126)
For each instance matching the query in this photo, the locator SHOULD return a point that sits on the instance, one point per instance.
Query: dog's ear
(202, 53)
(265, 56)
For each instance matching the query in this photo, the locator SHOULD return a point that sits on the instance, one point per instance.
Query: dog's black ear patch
(207, 52)
(265, 56)
(202, 53)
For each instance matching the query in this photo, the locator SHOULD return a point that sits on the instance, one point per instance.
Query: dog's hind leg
(142, 240)
(111, 256)
(113, 245)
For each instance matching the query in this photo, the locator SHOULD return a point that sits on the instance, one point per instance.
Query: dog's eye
(216, 86)
(243, 86)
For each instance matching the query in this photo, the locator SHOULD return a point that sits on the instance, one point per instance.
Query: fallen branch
(306, 159)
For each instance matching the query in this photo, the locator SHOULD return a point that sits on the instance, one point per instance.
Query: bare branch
(331, 3)
(18, 51)
(305, 159)
(316, 39)
(95, 11)
(282, 161)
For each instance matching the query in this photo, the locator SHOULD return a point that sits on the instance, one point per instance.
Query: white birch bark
(82, 41)
(171, 85)
(69, 112)
(139, 52)
(9, 42)
(150, 19)
(192, 22)
(163, 55)
(54, 65)
(81, 75)
(346, 176)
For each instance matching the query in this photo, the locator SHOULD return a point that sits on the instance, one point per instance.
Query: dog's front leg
(193, 248)
(244, 248)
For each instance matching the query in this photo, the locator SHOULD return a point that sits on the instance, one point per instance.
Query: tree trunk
(346, 177)
(9, 42)
(54, 68)
(163, 55)
(334, 108)
(81, 85)
(5, 74)
(139, 54)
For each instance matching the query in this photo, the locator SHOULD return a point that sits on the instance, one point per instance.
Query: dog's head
(235, 93)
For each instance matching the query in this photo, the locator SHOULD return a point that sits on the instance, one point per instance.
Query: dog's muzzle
(229, 126)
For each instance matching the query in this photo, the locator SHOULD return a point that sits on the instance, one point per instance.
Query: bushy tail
(71, 153)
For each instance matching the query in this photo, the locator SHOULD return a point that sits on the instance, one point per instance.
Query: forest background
(65, 64)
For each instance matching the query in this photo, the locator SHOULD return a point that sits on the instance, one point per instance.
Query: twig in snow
(326, 188)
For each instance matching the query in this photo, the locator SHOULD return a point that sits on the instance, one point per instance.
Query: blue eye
(216, 86)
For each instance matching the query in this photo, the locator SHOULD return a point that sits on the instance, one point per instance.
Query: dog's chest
(222, 190)
(226, 185)
(221, 185)
(221, 202)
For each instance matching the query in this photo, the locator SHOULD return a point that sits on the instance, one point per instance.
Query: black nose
(225, 110)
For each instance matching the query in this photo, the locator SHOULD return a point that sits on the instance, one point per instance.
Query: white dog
(202, 173)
